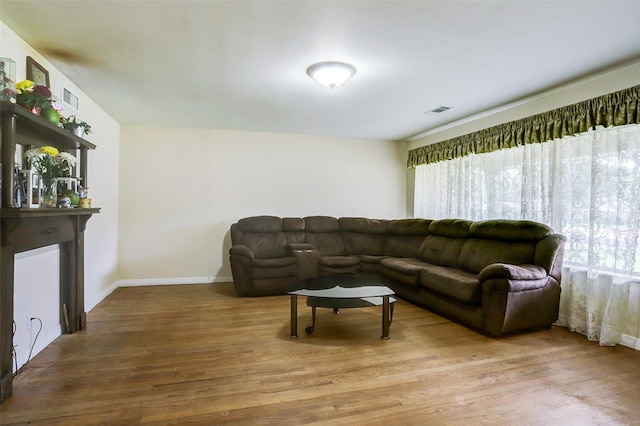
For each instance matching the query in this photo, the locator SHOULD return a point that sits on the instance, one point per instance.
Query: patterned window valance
(613, 109)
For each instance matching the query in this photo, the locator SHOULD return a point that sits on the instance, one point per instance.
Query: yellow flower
(25, 86)
(49, 150)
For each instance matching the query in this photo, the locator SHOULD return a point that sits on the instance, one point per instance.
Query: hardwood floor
(199, 354)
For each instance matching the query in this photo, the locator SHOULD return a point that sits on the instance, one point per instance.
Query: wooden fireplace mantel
(25, 229)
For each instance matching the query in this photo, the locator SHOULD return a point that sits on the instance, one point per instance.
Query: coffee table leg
(385, 318)
(294, 316)
(313, 321)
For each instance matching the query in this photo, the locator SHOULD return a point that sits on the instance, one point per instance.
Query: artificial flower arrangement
(33, 96)
(39, 100)
(50, 165)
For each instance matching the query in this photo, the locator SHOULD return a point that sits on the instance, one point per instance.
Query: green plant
(72, 122)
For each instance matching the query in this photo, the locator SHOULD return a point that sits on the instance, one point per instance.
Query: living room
(168, 194)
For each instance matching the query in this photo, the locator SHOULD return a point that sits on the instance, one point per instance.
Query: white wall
(37, 271)
(181, 189)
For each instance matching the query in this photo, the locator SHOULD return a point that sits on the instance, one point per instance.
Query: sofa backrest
(293, 228)
(262, 234)
(455, 243)
(325, 235)
(504, 241)
(363, 236)
(444, 243)
(404, 236)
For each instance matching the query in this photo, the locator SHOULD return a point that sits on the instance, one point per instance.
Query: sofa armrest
(307, 260)
(240, 250)
(507, 277)
(517, 297)
(512, 272)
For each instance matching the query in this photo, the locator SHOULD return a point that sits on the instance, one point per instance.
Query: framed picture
(36, 72)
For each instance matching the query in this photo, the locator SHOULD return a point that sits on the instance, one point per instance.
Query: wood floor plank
(199, 354)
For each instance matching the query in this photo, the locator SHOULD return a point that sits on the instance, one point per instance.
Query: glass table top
(341, 286)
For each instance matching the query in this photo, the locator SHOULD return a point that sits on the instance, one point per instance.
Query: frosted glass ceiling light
(331, 74)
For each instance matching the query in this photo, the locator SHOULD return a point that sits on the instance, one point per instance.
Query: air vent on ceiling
(438, 110)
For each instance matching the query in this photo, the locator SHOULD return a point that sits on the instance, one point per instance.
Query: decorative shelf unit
(24, 229)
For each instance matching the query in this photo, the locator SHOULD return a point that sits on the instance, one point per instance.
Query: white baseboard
(153, 281)
(172, 281)
(100, 297)
(630, 342)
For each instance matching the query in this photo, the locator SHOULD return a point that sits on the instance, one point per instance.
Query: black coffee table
(343, 291)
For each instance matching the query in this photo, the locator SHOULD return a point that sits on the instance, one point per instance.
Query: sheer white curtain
(586, 187)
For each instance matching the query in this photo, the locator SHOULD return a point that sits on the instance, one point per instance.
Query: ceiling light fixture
(331, 74)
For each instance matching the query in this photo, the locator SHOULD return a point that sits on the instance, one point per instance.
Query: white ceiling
(241, 65)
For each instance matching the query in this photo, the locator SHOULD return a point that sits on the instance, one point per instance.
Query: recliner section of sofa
(495, 276)
(260, 262)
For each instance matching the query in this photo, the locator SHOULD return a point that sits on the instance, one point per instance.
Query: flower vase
(49, 193)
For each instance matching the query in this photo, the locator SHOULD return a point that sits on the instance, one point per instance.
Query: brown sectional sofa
(494, 276)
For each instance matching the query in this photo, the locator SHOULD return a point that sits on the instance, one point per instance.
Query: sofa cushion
(270, 273)
(402, 245)
(440, 250)
(407, 266)
(321, 224)
(339, 261)
(510, 230)
(265, 269)
(324, 233)
(457, 284)
(454, 228)
(265, 245)
(444, 243)
(479, 252)
(363, 225)
(260, 224)
(406, 270)
(365, 258)
(404, 237)
(370, 263)
(293, 228)
(363, 236)
(358, 243)
(279, 262)
(409, 226)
